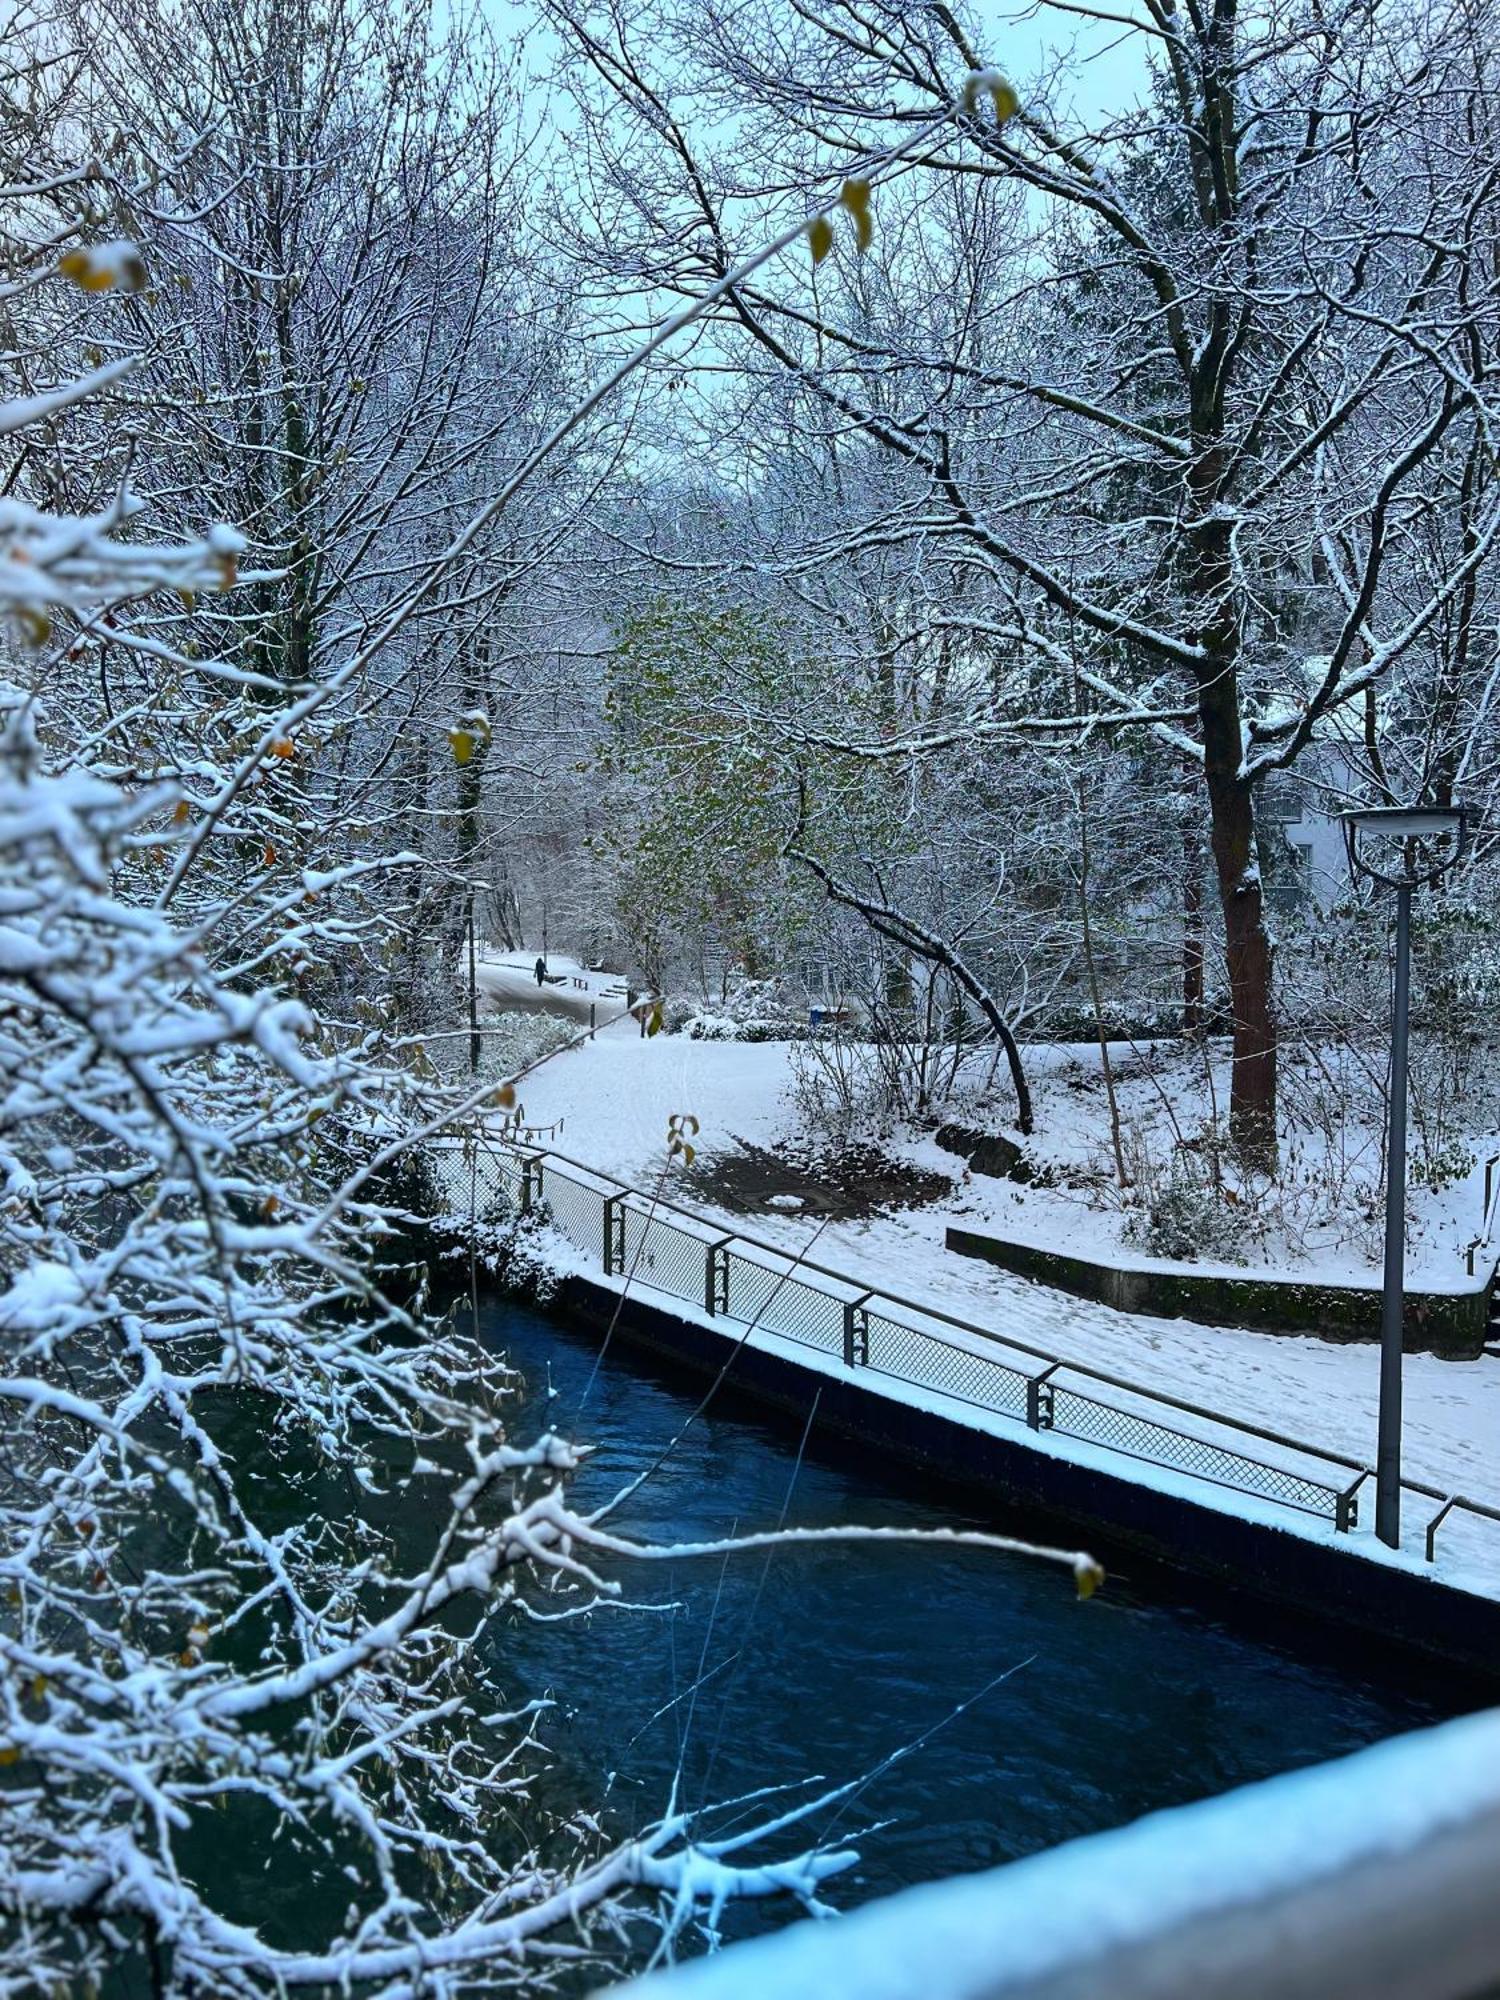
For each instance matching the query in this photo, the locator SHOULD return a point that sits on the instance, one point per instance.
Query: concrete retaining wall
(1450, 1324)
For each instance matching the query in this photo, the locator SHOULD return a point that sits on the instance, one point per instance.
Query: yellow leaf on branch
(855, 197)
(997, 88)
(105, 267)
(1088, 1574)
(467, 733)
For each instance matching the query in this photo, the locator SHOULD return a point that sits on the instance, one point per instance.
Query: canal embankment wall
(1243, 1547)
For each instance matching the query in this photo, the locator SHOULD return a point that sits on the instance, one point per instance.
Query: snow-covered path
(509, 984)
(619, 1091)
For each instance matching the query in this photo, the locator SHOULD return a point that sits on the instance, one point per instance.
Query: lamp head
(1403, 846)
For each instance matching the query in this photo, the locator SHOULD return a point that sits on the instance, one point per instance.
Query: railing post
(716, 1276)
(531, 1181)
(614, 1235)
(1436, 1522)
(857, 1332)
(1346, 1507)
(1039, 1398)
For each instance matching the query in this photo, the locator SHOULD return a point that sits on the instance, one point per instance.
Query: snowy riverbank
(619, 1091)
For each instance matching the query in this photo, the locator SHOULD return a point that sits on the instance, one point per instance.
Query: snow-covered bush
(722, 1028)
(1183, 1217)
(752, 1010)
(508, 1042)
(841, 1089)
(515, 1248)
(1337, 1040)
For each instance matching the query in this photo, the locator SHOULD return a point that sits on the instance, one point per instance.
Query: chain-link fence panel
(911, 1356)
(785, 1304)
(474, 1180)
(658, 1253)
(498, 1177)
(577, 1210)
(1136, 1436)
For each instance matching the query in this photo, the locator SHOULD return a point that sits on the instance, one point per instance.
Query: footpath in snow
(507, 982)
(619, 1091)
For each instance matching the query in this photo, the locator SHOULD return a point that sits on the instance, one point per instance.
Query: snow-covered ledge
(1450, 1319)
(1374, 1874)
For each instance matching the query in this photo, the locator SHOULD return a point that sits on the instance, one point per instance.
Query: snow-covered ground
(619, 1092)
(508, 983)
(1325, 1218)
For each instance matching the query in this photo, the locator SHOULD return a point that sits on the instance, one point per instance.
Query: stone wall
(1452, 1324)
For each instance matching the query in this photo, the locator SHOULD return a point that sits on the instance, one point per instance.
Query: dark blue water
(826, 1662)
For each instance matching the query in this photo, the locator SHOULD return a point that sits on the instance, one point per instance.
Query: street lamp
(1416, 847)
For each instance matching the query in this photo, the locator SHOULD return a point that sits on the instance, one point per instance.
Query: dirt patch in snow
(858, 1181)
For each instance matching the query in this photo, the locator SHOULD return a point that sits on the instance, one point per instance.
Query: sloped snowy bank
(619, 1091)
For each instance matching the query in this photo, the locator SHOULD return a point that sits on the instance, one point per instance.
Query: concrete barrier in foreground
(1371, 1875)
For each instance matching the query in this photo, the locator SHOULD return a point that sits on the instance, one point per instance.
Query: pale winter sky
(1107, 62)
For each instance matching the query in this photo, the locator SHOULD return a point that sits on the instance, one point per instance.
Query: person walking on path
(541, 972)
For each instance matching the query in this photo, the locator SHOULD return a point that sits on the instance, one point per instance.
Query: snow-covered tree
(259, 1508)
(1173, 393)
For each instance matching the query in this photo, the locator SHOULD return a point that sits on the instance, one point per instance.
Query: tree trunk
(1247, 943)
(1211, 582)
(900, 994)
(1106, 1068)
(1192, 934)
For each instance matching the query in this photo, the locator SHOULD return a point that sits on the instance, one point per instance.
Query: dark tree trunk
(1192, 934)
(1247, 943)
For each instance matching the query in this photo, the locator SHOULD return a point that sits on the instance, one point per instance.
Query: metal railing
(736, 1277)
(1486, 1234)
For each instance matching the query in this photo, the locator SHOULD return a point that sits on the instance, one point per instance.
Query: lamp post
(1417, 847)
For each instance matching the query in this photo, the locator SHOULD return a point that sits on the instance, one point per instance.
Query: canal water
(992, 1712)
